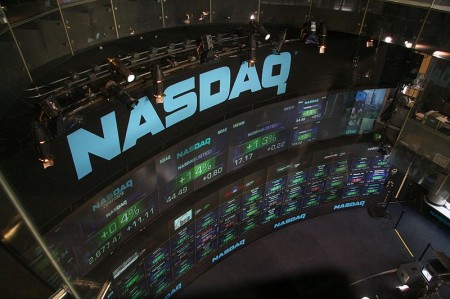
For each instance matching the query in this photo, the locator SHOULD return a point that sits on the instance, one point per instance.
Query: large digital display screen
(225, 216)
(118, 213)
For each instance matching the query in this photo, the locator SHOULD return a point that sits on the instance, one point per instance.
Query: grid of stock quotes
(102, 224)
(224, 218)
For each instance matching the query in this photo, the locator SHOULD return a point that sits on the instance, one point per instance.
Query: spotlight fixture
(280, 42)
(205, 49)
(322, 38)
(172, 61)
(251, 50)
(257, 27)
(312, 37)
(120, 68)
(158, 76)
(41, 140)
(3, 19)
(187, 19)
(203, 15)
(207, 42)
(51, 107)
(115, 91)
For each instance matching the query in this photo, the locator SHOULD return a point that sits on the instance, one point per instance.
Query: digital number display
(251, 211)
(183, 244)
(331, 195)
(294, 193)
(372, 189)
(297, 178)
(304, 134)
(260, 198)
(310, 201)
(339, 167)
(380, 162)
(157, 289)
(131, 281)
(275, 186)
(205, 250)
(310, 110)
(228, 236)
(361, 164)
(228, 222)
(315, 186)
(336, 181)
(291, 206)
(159, 256)
(356, 178)
(351, 192)
(184, 266)
(270, 214)
(319, 171)
(248, 225)
(257, 148)
(377, 175)
(119, 212)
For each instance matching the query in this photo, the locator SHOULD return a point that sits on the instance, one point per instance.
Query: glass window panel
(42, 40)
(339, 15)
(435, 34)
(135, 17)
(90, 24)
(182, 13)
(442, 5)
(16, 236)
(234, 11)
(3, 21)
(13, 76)
(400, 22)
(285, 12)
(18, 11)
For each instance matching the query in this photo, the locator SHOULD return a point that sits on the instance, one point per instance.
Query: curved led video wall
(160, 226)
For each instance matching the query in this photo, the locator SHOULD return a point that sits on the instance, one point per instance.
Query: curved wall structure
(160, 193)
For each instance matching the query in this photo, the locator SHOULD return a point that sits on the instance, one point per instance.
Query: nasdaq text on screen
(181, 102)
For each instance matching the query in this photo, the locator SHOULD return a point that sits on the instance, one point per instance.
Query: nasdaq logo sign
(181, 102)
(173, 291)
(112, 196)
(289, 220)
(228, 250)
(350, 204)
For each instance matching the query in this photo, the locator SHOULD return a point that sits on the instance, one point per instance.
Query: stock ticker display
(216, 224)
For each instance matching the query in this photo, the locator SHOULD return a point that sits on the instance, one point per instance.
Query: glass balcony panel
(182, 13)
(233, 11)
(136, 17)
(90, 24)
